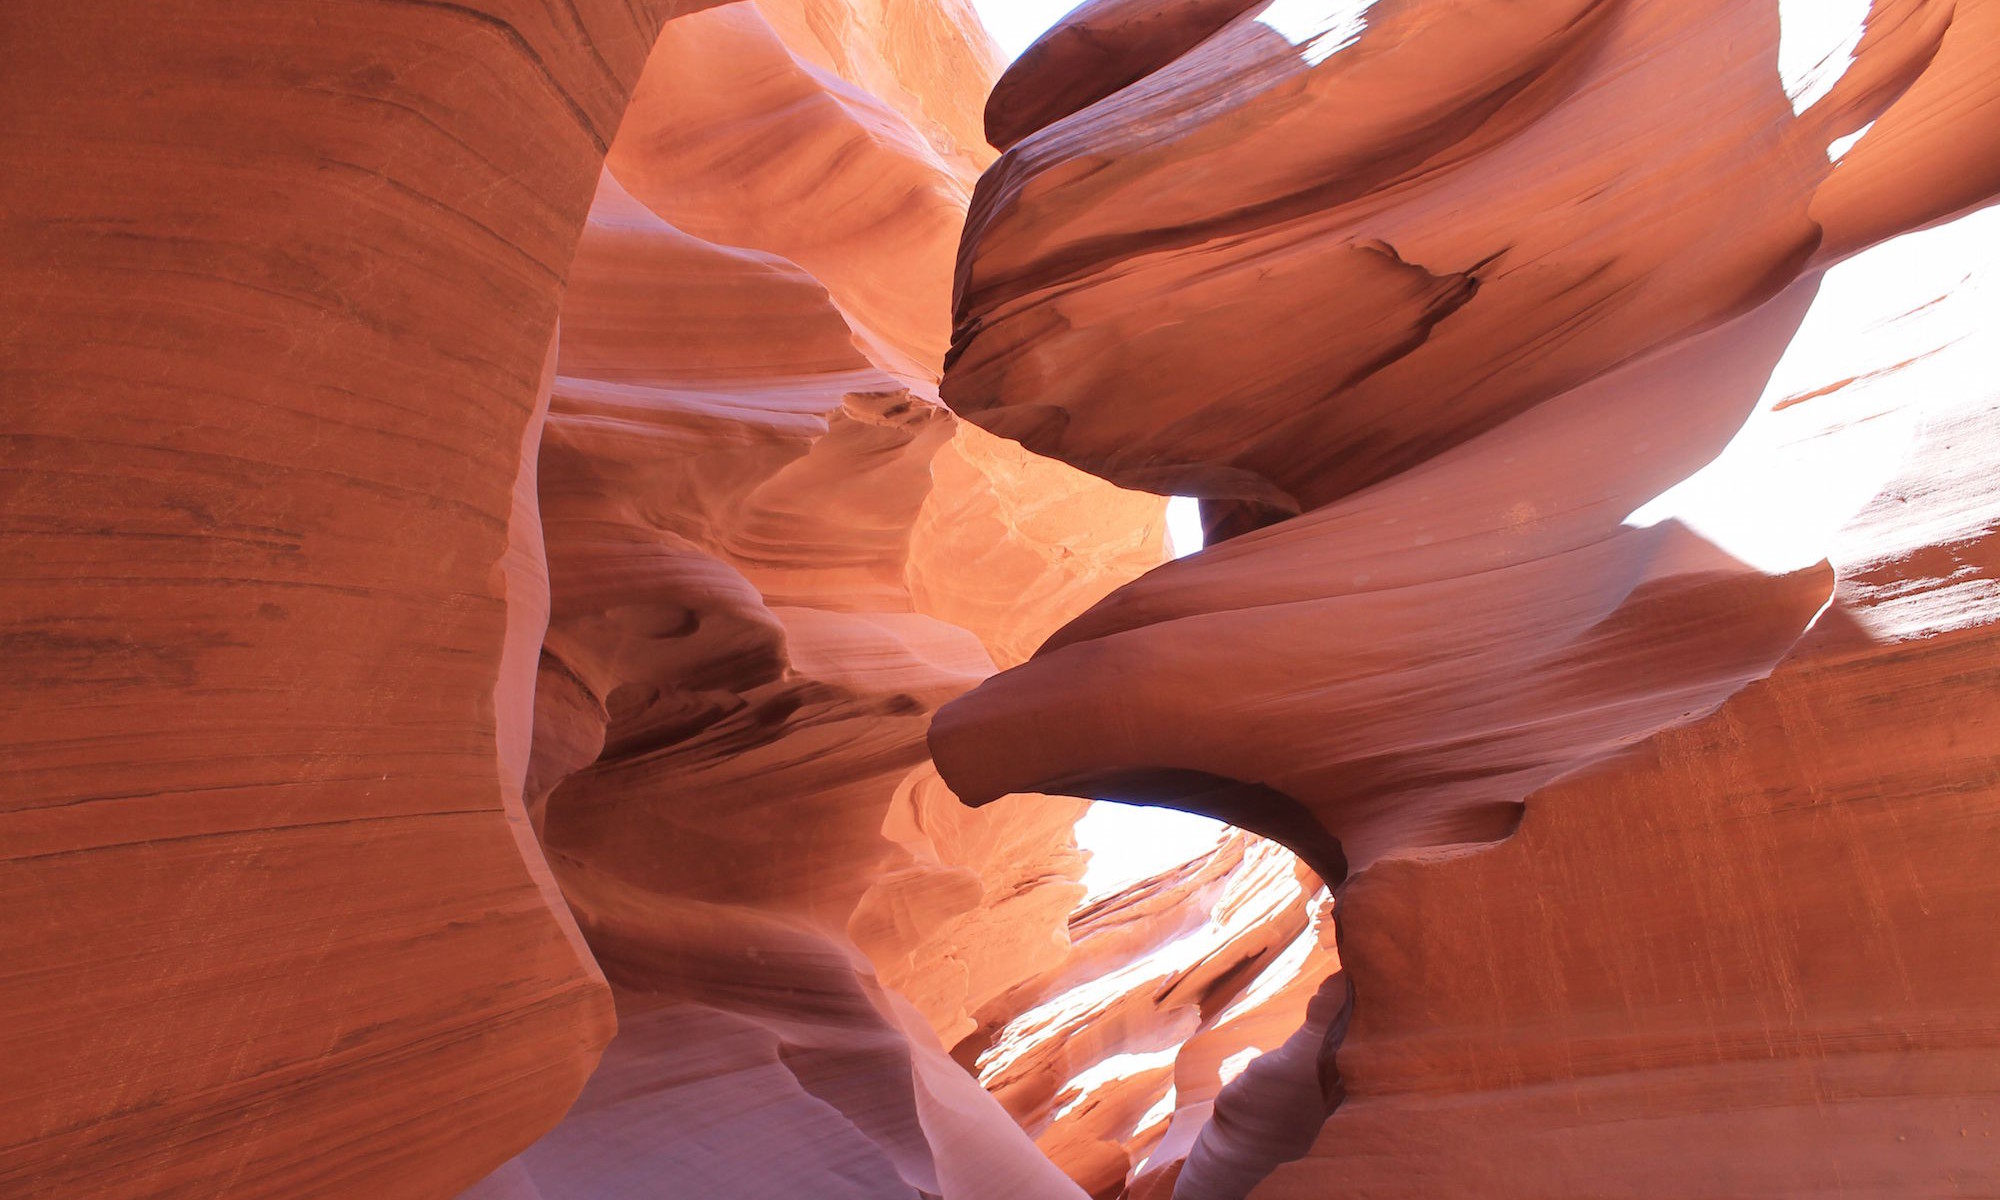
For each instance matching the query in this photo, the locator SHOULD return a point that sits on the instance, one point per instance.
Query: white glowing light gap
(1816, 43)
(1015, 24)
(1840, 146)
(1128, 844)
(1185, 535)
(1322, 28)
(1896, 335)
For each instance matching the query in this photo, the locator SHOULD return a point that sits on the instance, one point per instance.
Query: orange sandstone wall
(279, 287)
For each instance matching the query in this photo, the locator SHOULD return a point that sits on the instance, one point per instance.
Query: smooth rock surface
(279, 287)
(1472, 289)
(1740, 959)
(745, 476)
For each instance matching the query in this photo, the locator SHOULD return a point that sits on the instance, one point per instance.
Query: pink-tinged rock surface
(1743, 958)
(755, 508)
(1479, 206)
(409, 689)
(1472, 293)
(280, 294)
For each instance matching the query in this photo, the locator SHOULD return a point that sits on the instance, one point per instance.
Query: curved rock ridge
(733, 132)
(281, 294)
(1098, 48)
(750, 496)
(1733, 960)
(1460, 286)
(1481, 205)
(409, 691)
(1459, 636)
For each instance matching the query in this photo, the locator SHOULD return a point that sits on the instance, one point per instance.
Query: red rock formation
(280, 290)
(1464, 289)
(732, 786)
(1459, 288)
(1099, 48)
(1742, 958)
(1520, 156)
(279, 287)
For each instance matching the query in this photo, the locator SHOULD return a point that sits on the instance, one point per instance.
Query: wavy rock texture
(279, 287)
(1471, 288)
(1433, 302)
(756, 511)
(1735, 959)
(1098, 48)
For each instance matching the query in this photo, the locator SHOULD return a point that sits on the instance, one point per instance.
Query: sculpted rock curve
(1458, 320)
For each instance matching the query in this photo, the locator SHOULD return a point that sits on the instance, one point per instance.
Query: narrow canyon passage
(1212, 600)
(772, 555)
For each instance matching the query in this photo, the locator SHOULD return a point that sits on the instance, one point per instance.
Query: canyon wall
(280, 283)
(488, 547)
(282, 289)
(1436, 306)
(1176, 987)
(773, 554)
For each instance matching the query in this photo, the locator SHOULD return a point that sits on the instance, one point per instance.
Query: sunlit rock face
(772, 555)
(1472, 289)
(408, 694)
(1731, 960)
(1176, 986)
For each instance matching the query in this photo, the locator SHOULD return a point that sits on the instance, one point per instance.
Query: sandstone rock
(280, 294)
(1173, 986)
(1472, 296)
(279, 290)
(738, 493)
(1788, 1006)
(1518, 154)
(1097, 49)
(343, 584)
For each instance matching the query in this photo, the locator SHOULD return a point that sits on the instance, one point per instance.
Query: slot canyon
(771, 600)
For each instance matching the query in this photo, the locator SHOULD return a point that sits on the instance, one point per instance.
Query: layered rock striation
(1175, 988)
(282, 296)
(500, 616)
(751, 496)
(279, 292)
(1437, 306)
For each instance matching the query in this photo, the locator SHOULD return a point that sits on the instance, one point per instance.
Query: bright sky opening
(1779, 494)
(1015, 24)
(1129, 844)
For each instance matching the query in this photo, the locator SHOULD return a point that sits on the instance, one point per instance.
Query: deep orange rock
(279, 288)
(280, 295)
(1453, 151)
(342, 583)
(1735, 957)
